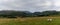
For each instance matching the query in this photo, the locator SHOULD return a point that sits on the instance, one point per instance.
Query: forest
(22, 14)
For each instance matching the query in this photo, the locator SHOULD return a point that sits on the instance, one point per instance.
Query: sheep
(49, 20)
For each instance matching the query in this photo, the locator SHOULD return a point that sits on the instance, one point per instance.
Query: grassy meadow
(30, 21)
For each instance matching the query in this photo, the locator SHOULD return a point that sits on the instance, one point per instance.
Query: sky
(30, 5)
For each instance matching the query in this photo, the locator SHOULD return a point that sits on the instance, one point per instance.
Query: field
(30, 21)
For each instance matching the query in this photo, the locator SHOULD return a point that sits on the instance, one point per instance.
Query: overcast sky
(30, 5)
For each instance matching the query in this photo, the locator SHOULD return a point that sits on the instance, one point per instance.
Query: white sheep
(49, 20)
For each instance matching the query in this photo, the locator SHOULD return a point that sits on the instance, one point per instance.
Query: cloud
(28, 5)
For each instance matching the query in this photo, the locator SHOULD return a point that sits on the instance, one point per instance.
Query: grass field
(30, 21)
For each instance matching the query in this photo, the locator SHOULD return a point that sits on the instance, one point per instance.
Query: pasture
(30, 21)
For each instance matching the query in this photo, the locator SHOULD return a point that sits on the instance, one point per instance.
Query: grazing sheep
(49, 20)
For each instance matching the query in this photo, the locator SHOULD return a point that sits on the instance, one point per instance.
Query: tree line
(14, 14)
